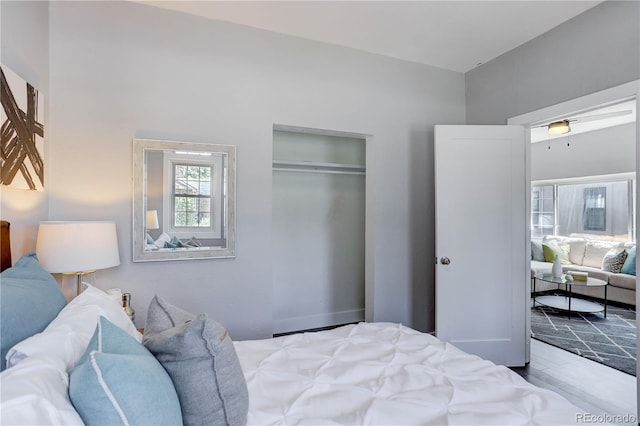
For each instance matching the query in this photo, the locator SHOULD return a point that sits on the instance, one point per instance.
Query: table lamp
(77, 248)
(152, 223)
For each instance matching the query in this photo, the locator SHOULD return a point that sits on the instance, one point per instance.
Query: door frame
(629, 90)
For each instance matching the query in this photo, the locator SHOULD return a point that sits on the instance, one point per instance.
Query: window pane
(204, 219)
(180, 219)
(191, 204)
(205, 188)
(192, 219)
(193, 172)
(204, 205)
(594, 209)
(180, 203)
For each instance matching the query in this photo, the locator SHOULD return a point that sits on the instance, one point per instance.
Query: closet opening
(318, 229)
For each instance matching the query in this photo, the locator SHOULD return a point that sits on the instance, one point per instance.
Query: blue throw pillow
(629, 266)
(30, 299)
(118, 381)
(536, 251)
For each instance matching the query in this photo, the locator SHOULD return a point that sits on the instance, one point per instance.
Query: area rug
(610, 341)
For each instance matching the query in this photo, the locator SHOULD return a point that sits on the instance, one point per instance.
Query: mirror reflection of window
(191, 187)
(192, 195)
(193, 204)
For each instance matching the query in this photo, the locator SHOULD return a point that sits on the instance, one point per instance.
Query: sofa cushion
(576, 246)
(595, 252)
(552, 250)
(629, 266)
(540, 268)
(623, 281)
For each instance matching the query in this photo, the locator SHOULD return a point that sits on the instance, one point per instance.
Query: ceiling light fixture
(559, 127)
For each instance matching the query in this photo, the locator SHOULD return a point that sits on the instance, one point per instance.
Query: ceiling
(455, 35)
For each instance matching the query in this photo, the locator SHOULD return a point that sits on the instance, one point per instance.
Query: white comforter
(386, 374)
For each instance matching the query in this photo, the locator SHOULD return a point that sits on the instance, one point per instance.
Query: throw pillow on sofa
(629, 266)
(614, 260)
(552, 249)
(596, 250)
(577, 246)
(536, 251)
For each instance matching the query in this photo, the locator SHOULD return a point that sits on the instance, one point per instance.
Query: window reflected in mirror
(184, 198)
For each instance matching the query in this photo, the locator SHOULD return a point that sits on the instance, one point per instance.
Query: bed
(85, 362)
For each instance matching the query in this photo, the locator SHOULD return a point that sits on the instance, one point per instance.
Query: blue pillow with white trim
(629, 266)
(118, 381)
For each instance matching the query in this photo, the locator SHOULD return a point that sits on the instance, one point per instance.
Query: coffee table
(567, 303)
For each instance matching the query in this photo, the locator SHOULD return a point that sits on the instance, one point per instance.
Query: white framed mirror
(183, 200)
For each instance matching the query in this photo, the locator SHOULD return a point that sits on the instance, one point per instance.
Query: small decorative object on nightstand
(126, 305)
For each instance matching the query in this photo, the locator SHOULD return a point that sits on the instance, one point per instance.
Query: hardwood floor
(594, 387)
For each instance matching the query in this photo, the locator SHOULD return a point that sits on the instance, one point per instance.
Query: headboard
(5, 245)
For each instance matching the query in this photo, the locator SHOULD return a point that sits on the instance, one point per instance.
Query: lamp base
(80, 277)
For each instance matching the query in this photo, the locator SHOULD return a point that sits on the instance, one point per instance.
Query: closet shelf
(318, 167)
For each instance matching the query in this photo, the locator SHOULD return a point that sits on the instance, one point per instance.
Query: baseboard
(308, 322)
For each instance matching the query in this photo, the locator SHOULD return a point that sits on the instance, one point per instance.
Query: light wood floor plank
(594, 387)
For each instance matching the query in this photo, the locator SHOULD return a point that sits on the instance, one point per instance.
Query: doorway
(629, 91)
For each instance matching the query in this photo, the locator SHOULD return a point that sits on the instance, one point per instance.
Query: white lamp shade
(76, 247)
(152, 219)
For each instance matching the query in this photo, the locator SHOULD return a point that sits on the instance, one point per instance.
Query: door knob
(445, 260)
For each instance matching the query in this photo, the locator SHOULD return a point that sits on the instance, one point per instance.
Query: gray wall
(601, 152)
(594, 51)
(121, 70)
(24, 48)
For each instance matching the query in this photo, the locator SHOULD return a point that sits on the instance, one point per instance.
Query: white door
(481, 272)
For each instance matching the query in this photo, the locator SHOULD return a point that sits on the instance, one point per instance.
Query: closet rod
(318, 167)
(333, 172)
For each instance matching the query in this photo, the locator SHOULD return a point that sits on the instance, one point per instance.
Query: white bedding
(382, 373)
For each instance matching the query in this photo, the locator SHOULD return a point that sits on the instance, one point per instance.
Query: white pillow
(163, 238)
(595, 252)
(36, 392)
(68, 335)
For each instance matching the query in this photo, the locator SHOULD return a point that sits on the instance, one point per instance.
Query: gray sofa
(586, 256)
